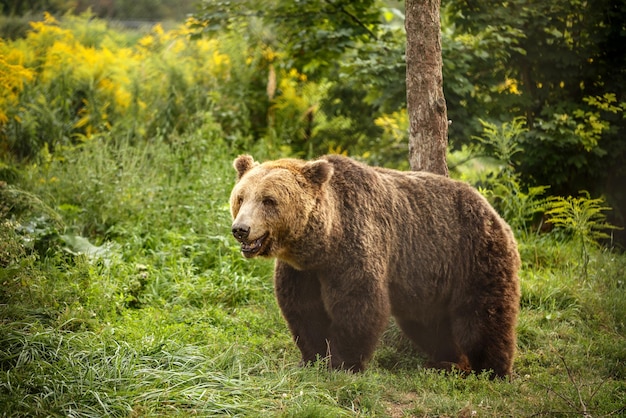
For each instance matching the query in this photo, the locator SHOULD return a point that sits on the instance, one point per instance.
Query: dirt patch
(399, 407)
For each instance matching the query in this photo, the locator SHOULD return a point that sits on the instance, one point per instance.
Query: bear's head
(272, 203)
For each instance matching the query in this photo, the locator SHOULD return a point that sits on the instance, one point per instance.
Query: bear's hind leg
(488, 339)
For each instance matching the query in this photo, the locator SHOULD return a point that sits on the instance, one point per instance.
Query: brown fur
(355, 244)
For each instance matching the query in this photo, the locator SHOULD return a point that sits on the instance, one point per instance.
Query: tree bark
(426, 105)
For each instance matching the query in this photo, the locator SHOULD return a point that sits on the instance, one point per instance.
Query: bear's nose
(241, 232)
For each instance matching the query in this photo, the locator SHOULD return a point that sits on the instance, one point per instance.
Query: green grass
(122, 294)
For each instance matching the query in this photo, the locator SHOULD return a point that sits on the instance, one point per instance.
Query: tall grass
(123, 295)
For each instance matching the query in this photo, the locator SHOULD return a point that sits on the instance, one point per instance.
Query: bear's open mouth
(252, 248)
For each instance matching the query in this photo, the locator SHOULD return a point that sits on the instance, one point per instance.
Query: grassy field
(123, 294)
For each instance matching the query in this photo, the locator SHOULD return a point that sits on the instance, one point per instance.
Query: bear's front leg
(359, 310)
(299, 297)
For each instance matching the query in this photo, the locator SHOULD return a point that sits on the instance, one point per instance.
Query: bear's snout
(240, 232)
(250, 247)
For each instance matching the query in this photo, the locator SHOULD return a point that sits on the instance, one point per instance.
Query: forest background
(122, 292)
(558, 69)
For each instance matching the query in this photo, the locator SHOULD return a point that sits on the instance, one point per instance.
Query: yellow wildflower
(146, 42)
(158, 29)
(510, 85)
(13, 76)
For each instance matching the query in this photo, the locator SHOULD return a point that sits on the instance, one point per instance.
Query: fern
(583, 217)
(502, 141)
(517, 204)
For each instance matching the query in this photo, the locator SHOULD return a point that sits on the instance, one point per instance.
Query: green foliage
(521, 206)
(315, 33)
(477, 77)
(160, 83)
(583, 217)
(177, 10)
(334, 49)
(503, 141)
(20, 7)
(569, 96)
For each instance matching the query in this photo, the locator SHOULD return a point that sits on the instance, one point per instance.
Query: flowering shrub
(67, 81)
(13, 76)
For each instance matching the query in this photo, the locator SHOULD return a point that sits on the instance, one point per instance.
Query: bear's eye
(269, 201)
(239, 200)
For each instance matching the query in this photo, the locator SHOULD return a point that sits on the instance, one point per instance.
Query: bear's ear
(317, 172)
(242, 164)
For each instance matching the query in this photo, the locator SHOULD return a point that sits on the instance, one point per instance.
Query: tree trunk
(426, 105)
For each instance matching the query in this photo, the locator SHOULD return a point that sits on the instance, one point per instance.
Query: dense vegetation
(557, 66)
(148, 10)
(123, 294)
(330, 75)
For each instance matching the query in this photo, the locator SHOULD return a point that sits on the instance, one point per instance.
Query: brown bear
(355, 244)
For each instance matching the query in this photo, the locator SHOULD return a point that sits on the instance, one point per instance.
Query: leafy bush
(524, 209)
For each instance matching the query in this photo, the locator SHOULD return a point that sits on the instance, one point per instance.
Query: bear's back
(419, 222)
